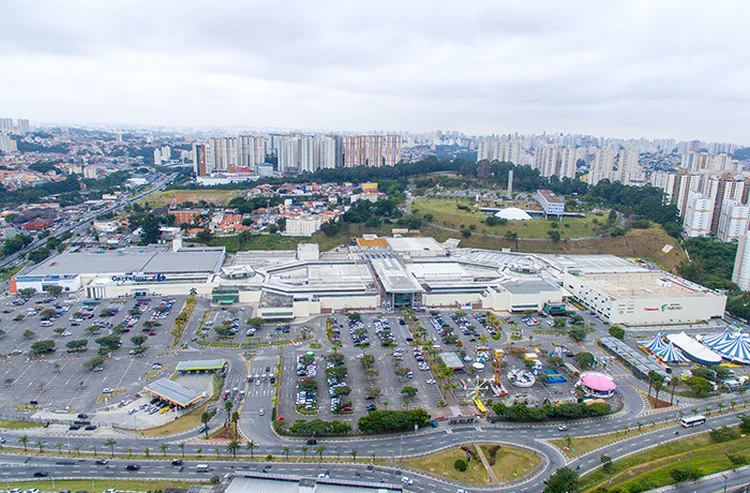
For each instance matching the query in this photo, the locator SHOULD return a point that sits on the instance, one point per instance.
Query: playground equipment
(521, 378)
(480, 385)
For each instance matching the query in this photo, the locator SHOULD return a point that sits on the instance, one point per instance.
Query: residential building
(7, 144)
(603, 165)
(371, 150)
(696, 161)
(719, 189)
(22, 126)
(628, 167)
(162, 155)
(684, 185)
(200, 162)
(6, 125)
(665, 181)
(733, 220)
(303, 225)
(568, 160)
(392, 150)
(547, 160)
(698, 216)
(741, 272)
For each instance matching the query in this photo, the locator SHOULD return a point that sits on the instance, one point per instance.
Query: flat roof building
(210, 365)
(552, 204)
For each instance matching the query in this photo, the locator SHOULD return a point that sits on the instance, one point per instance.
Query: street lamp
(725, 482)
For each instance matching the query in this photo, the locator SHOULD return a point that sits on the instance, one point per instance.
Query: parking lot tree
(93, 329)
(308, 384)
(43, 347)
(563, 480)
(368, 361)
(28, 334)
(94, 362)
(109, 343)
(255, 322)
(8, 382)
(54, 290)
(385, 421)
(47, 314)
(578, 334)
(409, 392)
(699, 385)
(336, 358)
(107, 312)
(59, 330)
(27, 292)
(337, 372)
(345, 390)
(373, 392)
(138, 340)
(555, 361)
(224, 330)
(617, 332)
(560, 322)
(401, 372)
(354, 316)
(371, 373)
(585, 359)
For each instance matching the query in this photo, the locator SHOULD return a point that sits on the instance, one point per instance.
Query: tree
(251, 447)
(205, 418)
(148, 451)
(26, 292)
(77, 345)
(43, 347)
(23, 440)
(138, 340)
(256, 322)
(578, 334)
(564, 480)
(460, 465)
(111, 444)
(59, 330)
(401, 372)
(305, 448)
(47, 314)
(285, 451)
(233, 447)
(94, 362)
(673, 382)
(409, 392)
(54, 290)
(658, 384)
(607, 466)
(228, 408)
(585, 359)
(40, 445)
(28, 334)
(354, 455)
(164, 447)
(553, 234)
(150, 229)
(319, 450)
(617, 332)
(181, 445)
(699, 385)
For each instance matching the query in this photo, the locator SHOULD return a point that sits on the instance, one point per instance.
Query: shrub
(724, 434)
(682, 474)
(460, 465)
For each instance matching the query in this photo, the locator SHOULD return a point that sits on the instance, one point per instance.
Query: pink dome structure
(597, 384)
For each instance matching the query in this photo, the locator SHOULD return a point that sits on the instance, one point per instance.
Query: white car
(431, 381)
(108, 391)
(407, 480)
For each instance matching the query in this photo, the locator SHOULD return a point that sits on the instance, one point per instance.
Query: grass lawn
(512, 463)
(584, 445)
(446, 213)
(218, 197)
(650, 469)
(441, 464)
(102, 484)
(19, 425)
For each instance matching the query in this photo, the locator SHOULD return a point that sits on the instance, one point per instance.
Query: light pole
(725, 482)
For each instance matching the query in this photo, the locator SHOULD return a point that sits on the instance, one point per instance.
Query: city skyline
(482, 69)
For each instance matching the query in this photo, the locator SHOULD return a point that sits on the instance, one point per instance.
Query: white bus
(693, 421)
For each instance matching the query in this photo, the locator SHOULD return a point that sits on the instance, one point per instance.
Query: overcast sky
(622, 69)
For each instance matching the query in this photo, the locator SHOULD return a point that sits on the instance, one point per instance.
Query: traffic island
(469, 464)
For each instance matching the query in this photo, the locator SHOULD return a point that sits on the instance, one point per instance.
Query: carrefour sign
(142, 278)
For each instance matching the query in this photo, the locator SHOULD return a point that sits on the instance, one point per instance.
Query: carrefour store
(128, 272)
(644, 298)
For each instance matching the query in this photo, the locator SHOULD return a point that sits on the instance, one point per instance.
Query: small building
(38, 225)
(596, 384)
(552, 204)
(265, 482)
(452, 360)
(173, 392)
(202, 366)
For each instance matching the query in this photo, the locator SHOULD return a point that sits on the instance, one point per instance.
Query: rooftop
(644, 284)
(551, 197)
(529, 286)
(209, 364)
(172, 392)
(393, 276)
(419, 244)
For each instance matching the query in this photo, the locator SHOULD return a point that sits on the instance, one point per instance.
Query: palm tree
(182, 449)
(720, 405)
(228, 408)
(305, 448)
(708, 410)
(111, 444)
(193, 292)
(130, 452)
(233, 447)
(205, 418)
(164, 447)
(672, 383)
(235, 420)
(147, 451)
(354, 455)
(217, 452)
(732, 404)
(285, 451)
(59, 446)
(23, 440)
(94, 447)
(251, 447)
(77, 448)
(319, 450)
(640, 425)
(39, 444)
(568, 441)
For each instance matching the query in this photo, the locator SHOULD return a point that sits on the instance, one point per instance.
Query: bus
(693, 421)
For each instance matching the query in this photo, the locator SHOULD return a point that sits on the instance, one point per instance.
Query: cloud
(622, 68)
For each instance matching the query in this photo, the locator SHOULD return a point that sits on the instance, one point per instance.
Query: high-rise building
(684, 184)
(371, 150)
(628, 166)
(6, 125)
(307, 154)
(546, 159)
(236, 154)
(698, 216)
(696, 161)
(200, 159)
(162, 155)
(741, 272)
(733, 220)
(603, 165)
(7, 144)
(666, 182)
(23, 126)
(719, 189)
(568, 160)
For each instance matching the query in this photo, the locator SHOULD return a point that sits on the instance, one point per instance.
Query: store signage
(140, 278)
(671, 307)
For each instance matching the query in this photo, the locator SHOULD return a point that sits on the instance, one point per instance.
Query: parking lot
(58, 380)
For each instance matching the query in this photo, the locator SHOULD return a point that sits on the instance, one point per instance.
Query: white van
(202, 468)
(46, 323)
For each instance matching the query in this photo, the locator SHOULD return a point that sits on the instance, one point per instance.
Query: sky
(663, 69)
